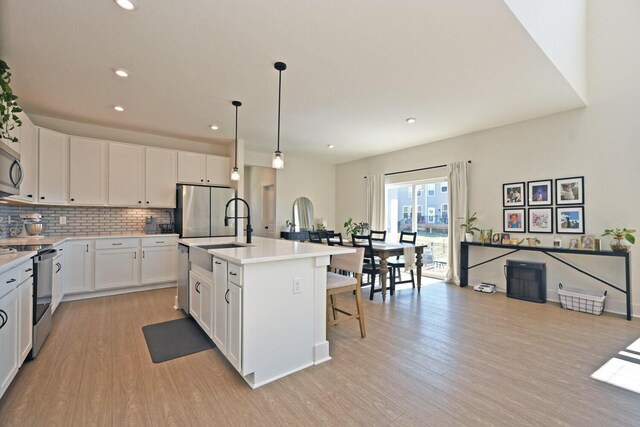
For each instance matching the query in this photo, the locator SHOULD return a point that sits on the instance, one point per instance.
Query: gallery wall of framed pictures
(529, 206)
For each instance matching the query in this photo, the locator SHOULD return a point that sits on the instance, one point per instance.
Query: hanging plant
(8, 106)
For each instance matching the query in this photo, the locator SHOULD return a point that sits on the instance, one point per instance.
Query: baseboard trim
(120, 291)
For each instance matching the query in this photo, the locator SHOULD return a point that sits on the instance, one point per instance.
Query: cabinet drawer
(235, 274)
(148, 242)
(116, 243)
(25, 270)
(8, 281)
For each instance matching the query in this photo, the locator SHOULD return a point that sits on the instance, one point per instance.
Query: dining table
(385, 250)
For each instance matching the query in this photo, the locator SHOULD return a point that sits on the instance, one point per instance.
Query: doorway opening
(260, 193)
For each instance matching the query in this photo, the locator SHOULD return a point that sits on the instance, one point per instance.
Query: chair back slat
(363, 242)
(334, 239)
(349, 262)
(408, 237)
(378, 236)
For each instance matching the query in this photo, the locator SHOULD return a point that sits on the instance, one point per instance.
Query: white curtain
(375, 202)
(458, 207)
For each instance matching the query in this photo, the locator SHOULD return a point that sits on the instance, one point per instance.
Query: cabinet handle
(135, 255)
(232, 273)
(59, 267)
(147, 202)
(198, 287)
(218, 262)
(202, 180)
(139, 201)
(11, 281)
(225, 296)
(73, 199)
(116, 244)
(87, 247)
(28, 270)
(142, 254)
(161, 241)
(30, 196)
(42, 197)
(5, 318)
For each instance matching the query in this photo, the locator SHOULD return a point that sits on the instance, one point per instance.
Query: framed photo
(513, 194)
(570, 220)
(570, 191)
(573, 243)
(540, 193)
(505, 239)
(495, 239)
(587, 242)
(514, 220)
(540, 220)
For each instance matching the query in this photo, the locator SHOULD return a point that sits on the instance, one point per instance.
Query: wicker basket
(581, 300)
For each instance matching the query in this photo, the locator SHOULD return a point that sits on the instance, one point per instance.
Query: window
(420, 211)
(419, 190)
(431, 215)
(444, 213)
(410, 191)
(444, 187)
(406, 211)
(431, 189)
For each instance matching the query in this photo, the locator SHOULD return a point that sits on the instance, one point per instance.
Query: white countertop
(54, 240)
(11, 260)
(265, 250)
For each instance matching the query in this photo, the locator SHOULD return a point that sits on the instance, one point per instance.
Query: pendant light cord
(279, 97)
(235, 162)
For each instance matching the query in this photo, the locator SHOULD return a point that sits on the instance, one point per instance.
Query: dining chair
(378, 236)
(334, 239)
(398, 264)
(338, 283)
(370, 267)
(314, 237)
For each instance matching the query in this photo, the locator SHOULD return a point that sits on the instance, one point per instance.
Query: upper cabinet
(203, 169)
(160, 178)
(87, 171)
(125, 174)
(53, 167)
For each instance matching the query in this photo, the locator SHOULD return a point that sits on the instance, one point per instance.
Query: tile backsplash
(81, 220)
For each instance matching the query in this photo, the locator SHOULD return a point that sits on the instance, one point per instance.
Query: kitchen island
(264, 304)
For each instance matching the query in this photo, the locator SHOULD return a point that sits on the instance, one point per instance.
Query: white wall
(257, 177)
(600, 142)
(301, 176)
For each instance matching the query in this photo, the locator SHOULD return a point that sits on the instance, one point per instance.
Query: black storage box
(526, 280)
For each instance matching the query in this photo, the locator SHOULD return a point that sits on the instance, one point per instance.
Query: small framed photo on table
(540, 193)
(570, 220)
(513, 194)
(573, 243)
(505, 239)
(495, 239)
(540, 220)
(587, 242)
(570, 191)
(514, 220)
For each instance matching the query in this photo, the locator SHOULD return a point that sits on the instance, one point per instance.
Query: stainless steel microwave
(11, 172)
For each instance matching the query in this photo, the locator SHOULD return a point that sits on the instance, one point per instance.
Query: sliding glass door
(421, 206)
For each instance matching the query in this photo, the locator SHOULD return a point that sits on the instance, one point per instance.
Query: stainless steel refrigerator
(200, 211)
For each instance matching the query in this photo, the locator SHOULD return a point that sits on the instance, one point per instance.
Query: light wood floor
(447, 356)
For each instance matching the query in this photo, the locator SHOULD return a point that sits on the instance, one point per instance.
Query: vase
(619, 245)
(532, 242)
(468, 237)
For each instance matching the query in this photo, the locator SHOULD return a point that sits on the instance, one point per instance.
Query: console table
(465, 267)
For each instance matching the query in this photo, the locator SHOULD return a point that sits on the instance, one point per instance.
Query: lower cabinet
(159, 264)
(195, 297)
(234, 325)
(56, 284)
(201, 301)
(117, 268)
(219, 335)
(79, 266)
(9, 323)
(25, 325)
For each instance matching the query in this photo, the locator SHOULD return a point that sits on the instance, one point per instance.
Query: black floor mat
(175, 338)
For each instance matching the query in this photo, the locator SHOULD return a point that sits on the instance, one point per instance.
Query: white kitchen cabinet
(195, 296)
(200, 301)
(25, 324)
(53, 167)
(87, 171)
(234, 325)
(56, 283)
(160, 177)
(9, 323)
(219, 332)
(192, 167)
(28, 160)
(125, 174)
(218, 172)
(159, 264)
(117, 268)
(79, 266)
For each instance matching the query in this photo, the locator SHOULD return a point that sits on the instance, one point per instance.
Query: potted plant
(533, 241)
(9, 108)
(357, 228)
(469, 228)
(623, 238)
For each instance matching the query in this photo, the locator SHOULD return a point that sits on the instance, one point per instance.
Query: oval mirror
(303, 214)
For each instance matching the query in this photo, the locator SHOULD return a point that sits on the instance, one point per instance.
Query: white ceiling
(356, 69)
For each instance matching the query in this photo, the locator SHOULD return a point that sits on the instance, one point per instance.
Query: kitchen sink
(223, 246)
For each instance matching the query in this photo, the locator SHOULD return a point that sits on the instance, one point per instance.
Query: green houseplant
(357, 228)
(533, 241)
(623, 238)
(469, 227)
(9, 107)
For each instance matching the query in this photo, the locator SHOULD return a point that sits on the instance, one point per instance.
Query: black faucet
(248, 217)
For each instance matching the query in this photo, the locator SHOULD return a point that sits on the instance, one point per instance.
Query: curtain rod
(416, 170)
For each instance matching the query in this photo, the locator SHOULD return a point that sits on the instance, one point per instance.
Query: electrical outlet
(297, 285)
(63, 220)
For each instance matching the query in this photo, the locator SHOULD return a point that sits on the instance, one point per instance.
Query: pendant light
(235, 174)
(277, 161)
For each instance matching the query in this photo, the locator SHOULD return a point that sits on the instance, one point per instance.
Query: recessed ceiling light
(411, 120)
(118, 108)
(214, 127)
(121, 72)
(126, 4)
(330, 146)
